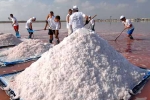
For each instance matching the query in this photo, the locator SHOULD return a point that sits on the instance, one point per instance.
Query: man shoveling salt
(128, 25)
(29, 26)
(15, 25)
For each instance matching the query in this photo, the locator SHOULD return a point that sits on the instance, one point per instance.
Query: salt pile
(7, 39)
(27, 49)
(82, 67)
(1, 33)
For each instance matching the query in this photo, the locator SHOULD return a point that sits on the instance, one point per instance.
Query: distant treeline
(118, 20)
(25, 21)
(97, 20)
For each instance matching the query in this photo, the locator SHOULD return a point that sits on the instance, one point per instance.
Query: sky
(24, 9)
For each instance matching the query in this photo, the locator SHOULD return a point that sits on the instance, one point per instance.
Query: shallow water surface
(137, 51)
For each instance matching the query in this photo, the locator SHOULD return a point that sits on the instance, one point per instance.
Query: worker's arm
(46, 25)
(31, 26)
(87, 19)
(47, 17)
(56, 33)
(13, 22)
(124, 26)
(70, 25)
(129, 26)
(59, 25)
(68, 19)
(71, 30)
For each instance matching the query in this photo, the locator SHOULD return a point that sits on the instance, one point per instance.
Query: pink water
(137, 51)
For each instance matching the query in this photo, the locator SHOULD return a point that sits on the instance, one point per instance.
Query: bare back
(48, 16)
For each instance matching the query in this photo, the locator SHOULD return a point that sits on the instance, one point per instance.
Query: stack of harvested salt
(8, 39)
(27, 49)
(82, 67)
(1, 33)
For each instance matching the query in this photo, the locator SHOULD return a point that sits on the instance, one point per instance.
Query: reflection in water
(129, 46)
(141, 98)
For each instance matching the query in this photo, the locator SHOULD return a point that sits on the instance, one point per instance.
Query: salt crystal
(82, 67)
(7, 39)
(27, 49)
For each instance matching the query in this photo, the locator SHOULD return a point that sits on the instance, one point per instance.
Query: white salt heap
(7, 39)
(24, 50)
(82, 67)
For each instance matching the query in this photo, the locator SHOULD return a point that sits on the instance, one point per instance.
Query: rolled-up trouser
(30, 31)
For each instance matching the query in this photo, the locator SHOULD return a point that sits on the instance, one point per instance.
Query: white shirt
(14, 20)
(76, 20)
(27, 26)
(92, 22)
(67, 23)
(57, 25)
(52, 24)
(127, 23)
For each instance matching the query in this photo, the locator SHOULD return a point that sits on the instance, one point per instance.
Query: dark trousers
(30, 31)
(92, 27)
